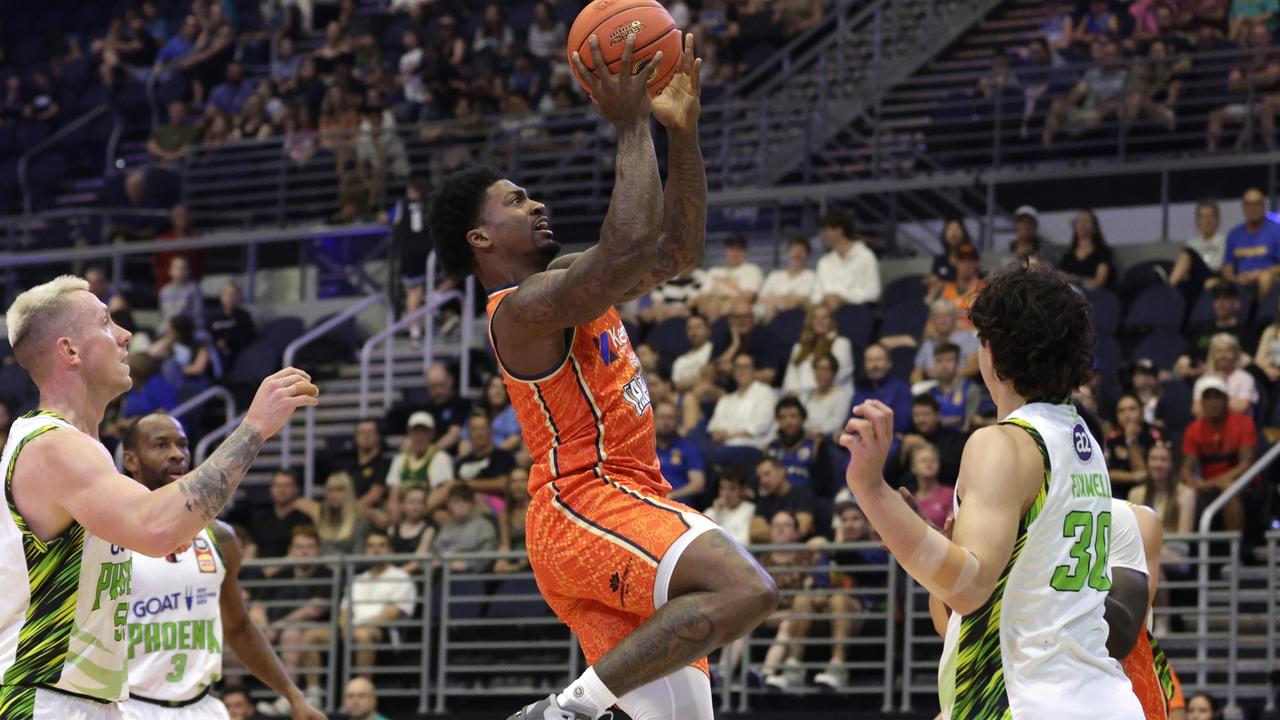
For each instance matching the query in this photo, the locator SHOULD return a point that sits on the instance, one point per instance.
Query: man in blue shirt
(805, 458)
(680, 460)
(1252, 256)
(880, 385)
(229, 96)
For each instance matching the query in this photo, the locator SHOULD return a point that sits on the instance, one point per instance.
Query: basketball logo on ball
(612, 22)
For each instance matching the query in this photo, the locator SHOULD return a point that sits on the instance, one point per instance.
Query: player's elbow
(969, 600)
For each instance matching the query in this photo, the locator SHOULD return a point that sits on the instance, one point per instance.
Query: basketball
(612, 21)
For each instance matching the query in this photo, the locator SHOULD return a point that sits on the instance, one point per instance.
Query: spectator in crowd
(421, 460)
(1255, 75)
(964, 289)
(150, 391)
(382, 595)
(1097, 97)
(674, 298)
(1155, 82)
(747, 336)
(496, 405)
(1173, 501)
(1057, 26)
(1025, 248)
(181, 295)
(805, 458)
(788, 288)
(954, 234)
(186, 361)
(694, 367)
(782, 662)
(737, 279)
(449, 411)
(935, 499)
(1201, 705)
(1223, 366)
(1098, 25)
(415, 531)
(465, 530)
(1200, 261)
(341, 529)
(547, 34)
(486, 468)
(1226, 320)
(368, 468)
(1146, 388)
(681, 461)
(1217, 448)
(360, 700)
(177, 49)
(251, 123)
(1252, 255)
(958, 397)
(943, 328)
(230, 95)
(272, 527)
(731, 509)
(1087, 262)
(238, 704)
(511, 523)
(301, 594)
(170, 143)
(926, 429)
(1248, 14)
(777, 494)
(827, 405)
(494, 36)
(231, 326)
(285, 65)
(849, 272)
(1267, 356)
(744, 417)
(1127, 445)
(179, 228)
(819, 337)
(880, 384)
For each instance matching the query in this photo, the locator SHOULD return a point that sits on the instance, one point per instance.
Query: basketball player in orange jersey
(649, 585)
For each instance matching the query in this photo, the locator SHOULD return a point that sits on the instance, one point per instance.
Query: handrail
(223, 430)
(52, 140)
(784, 56)
(286, 441)
(1273, 587)
(366, 358)
(191, 403)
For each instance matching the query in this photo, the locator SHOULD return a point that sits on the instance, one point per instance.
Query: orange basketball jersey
(1153, 679)
(589, 417)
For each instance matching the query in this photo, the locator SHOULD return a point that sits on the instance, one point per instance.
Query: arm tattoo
(684, 215)
(209, 487)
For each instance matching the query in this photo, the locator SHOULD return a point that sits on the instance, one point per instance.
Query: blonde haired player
(73, 521)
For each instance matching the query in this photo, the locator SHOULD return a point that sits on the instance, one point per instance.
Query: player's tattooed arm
(684, 215)
(208, 488)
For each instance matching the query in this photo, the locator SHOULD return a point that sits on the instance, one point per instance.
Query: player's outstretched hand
(277, 397)
(621, 98)
(678, 106)
(867, 436)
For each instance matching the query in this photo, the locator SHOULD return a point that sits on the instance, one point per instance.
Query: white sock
(589, 694)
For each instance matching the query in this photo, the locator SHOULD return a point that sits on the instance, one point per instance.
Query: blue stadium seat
(1162, 347)
(905, 318)
(1159, 307)
(536, 607)
(1108, 356)
(856, 323)
(1267, 309)
(1142, 276)
(1106, 311)
(281, 331)
(255, 362)
(475, 593)
(669, 338)
(910, 287)
(1174, 406)
(904, 360)
(1203, 308)
(787, 325)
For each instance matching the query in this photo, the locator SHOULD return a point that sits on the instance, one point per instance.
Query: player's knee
(759, 599)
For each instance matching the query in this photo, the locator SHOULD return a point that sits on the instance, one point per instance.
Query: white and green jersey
(1037, 647)
(175, 628)
(65, 601)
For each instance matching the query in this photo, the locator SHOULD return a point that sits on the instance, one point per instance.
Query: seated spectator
(777, 494)
(1127, 445)
(150, 391)
(731, 509)
(285, 64)
(935, 499)
(382, 595)
(368, 469)
(1226, 320)
(230, 95)
(421, 461)
(943, 328)
(1208, 14)
(496, 405)
(181, 295)
(849, 273)
(1223, 367)
(747, 336)
(1025, 248)
(790, 287)
(744, 417)
(1200, 261)
(486, 468)
(1040, 72)
(547, 35)
(251, 123)
(301, 596)
(415, 532)
(272, 527)
(177, 48)
(681, 461)
(341, 529)
(1201, 705)
(926, 429)
(1098, 25)
(827, 405)
(179, 228)
(360, 700)
(1156, 83)
(449, 411)
(1057, 26)
(186, 361)
(958, 397)
(493, 36)
(954, 234)
(793, 572)
(1173, 501)
(466, 530)
(737, 279)
(818, 338)
(1147, 389)
(1252, 255)
(239, 705)
(805, 458)
(1255, 76)
(1217, 449)
(694, 367)
(511, 524)
(964, 289)
(1097, 97)
(880, 385)
(1248, 14)
(1087, 262)
(170, 143)
(674, 298)
(231, 326)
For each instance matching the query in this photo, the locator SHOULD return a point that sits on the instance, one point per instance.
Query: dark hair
(946, 347)
(1099, 241)
(828, 357)
(839, 218)
(943, 237)
(461, 491)
(455, 211)
(306, 529)
(291, 474)
(379, 532)
(129, 438)
(1213, 702)
(802, 241)
(735, 240)
(749, 356)
(124, 318)
(926, 400)
(184, 328)
(770, 460)
(733, 476)
(236, 691)
(790, 402)
(377, 424)
(1211, 204)
(1040, 331)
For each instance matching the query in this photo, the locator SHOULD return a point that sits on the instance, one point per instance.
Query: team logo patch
(636, 393)
(1084, 446)
(204, 556)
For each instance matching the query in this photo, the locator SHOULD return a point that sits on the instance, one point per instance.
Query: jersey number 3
(1092, 535)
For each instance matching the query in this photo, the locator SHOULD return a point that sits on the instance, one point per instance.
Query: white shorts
(30, 703)
(206, 708)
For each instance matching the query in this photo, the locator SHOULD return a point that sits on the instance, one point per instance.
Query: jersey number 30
(1092, 535)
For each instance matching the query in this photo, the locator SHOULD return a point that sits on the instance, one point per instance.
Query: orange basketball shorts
(603, 554)
(1139, 665)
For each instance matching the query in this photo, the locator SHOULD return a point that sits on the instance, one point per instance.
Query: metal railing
(63, 133)
(1273, 591)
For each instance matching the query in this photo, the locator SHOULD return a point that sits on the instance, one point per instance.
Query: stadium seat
(787, 325)
(1108, 357)
(1106, 311)
(16, 389)
(467, 599)
(1142, 276)
(904, 360)
(254, 363)
(1162, 347)
(910, 287)
(515, 609)
(669, 338)
(856, 323)
(1174, 406)
(1203, 308)
(281, 331)
(1159, 307)
(1267, 309)
(904, 318)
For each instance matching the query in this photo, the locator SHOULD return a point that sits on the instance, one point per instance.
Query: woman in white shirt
(1224, 359)
(819, 338)
(1201, 256)
(827, 404)
(788, 287)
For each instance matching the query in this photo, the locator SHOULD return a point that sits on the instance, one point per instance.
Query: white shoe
(275, 708)
(777, 682)
(314, 695)
(794, 671)
(833, 677)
